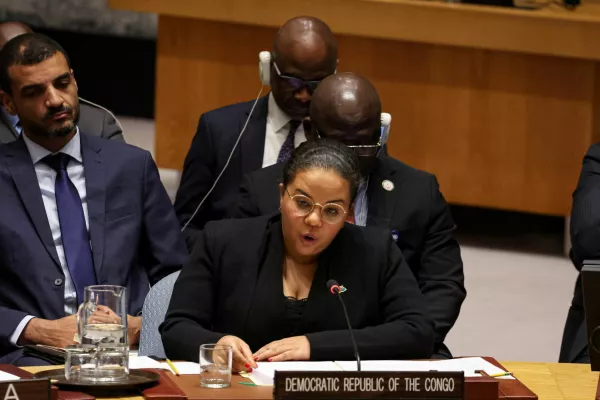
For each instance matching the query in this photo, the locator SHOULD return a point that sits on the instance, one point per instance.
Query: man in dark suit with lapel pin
(94, 120)
(304, 52)
(346, 107)
(75, 210)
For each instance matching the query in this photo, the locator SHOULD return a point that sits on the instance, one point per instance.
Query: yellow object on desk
(499, 375)
(172, 366)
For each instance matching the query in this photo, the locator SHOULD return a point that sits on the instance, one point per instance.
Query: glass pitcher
(102, 331)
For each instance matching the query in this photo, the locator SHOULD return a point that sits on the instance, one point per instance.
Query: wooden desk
(553, 381)
(550, 381)
(500, 104)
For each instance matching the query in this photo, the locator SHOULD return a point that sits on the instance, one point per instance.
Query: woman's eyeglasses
(297, 83)
(361, 150)
(331, 213)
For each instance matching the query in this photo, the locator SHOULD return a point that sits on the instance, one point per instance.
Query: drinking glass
(79, 358)
(97, 363)
(215, 366)
(102, 330)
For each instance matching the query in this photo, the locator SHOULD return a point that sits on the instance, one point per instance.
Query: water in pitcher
(103, 355)
(103, 333)
(111, 357)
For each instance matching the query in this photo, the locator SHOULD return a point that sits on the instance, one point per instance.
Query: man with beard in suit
(75, 210)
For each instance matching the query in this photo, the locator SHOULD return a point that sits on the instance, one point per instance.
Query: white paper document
(264, 374)
(383, 365)
(145, 362)
(187, 368)
(183, 367)
(470, 365)
(5, 376)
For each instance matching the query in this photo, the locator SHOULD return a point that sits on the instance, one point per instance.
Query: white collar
(37, 152)
(276, 116)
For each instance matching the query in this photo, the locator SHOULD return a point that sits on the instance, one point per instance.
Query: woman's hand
(242, 359)
(294, 348)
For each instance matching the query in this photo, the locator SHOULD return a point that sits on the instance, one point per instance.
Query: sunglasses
(297, 83)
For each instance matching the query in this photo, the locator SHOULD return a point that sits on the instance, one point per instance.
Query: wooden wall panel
(499, 129)
(552, 30)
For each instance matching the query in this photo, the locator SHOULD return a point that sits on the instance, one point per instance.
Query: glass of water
(97, 363)
(215, 366)
(102, 330)
(79, 358)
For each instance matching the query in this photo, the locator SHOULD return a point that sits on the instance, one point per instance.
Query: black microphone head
(332, 282)
(333, 286)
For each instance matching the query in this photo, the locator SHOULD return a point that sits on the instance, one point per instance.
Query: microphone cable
(226, 164)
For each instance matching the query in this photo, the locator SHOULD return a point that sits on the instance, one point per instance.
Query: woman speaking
(260, 284)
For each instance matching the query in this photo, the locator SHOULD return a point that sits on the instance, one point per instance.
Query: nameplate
(290, 385)
(26, 389)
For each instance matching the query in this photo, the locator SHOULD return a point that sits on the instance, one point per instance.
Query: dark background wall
(116, 72)
(112, 52)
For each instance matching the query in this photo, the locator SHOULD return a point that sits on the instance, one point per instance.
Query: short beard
(62, 131)
(43, 132)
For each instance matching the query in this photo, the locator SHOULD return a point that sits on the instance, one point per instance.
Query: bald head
(304, 52)
(10, 30)
(305, 36)
(346, 107)
(345, 101)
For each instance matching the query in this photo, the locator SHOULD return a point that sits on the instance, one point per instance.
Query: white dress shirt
(46, 177)
(278, 127)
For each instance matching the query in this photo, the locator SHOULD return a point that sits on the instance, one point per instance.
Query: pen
(247, 383)
(501, 374)
(172, 366)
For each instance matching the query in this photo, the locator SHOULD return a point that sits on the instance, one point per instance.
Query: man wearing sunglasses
(394, 196)
(304, 52)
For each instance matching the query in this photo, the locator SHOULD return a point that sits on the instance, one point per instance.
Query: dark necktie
(288, 146)
(74, 234)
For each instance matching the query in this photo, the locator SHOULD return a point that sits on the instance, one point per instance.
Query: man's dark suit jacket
(215, 137)
(233, 286)
(415, 211)
(92, 120)
(134, 233)
(585, 239)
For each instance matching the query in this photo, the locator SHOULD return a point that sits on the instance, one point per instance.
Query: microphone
(334, 287)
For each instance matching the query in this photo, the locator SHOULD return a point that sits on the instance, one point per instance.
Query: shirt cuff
(14, 337)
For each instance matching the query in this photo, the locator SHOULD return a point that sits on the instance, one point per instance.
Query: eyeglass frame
(305, 84)
(317, 204)
(358, 146)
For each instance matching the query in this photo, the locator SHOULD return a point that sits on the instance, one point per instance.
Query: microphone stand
(356, 355)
